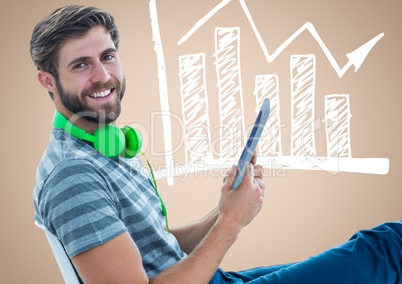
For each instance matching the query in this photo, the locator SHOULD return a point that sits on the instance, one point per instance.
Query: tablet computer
(252, 142)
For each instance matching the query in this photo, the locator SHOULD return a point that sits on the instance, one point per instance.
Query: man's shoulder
(67, 161)
(63, 151)
(55, 174)
(64, 172)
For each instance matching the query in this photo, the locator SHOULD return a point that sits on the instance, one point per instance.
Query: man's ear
(47, 81)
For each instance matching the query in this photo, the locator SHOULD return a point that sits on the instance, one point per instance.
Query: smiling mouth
(102, 94)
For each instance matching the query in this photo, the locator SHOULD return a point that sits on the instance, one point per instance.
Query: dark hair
(65, 23)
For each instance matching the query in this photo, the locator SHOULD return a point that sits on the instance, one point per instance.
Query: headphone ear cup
(109, 140)
(133, 142)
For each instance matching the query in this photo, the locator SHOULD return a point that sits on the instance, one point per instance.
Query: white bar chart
(302, 116)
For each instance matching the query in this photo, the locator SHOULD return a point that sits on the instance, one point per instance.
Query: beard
(76, 103)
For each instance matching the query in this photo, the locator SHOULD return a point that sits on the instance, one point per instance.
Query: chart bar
(227, 65)
(195, 112)
(267, 86)
(337, 124)
(302, 68)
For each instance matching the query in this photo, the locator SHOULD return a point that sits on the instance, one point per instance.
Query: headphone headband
(59, 121)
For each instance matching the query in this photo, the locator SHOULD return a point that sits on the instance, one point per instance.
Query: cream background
(305, 212)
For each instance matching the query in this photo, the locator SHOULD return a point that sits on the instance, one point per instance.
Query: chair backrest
(64, 263)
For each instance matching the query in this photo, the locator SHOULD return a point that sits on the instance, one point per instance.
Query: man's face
(90, 79)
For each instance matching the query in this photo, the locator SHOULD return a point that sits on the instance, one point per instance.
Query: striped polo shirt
(87, 199)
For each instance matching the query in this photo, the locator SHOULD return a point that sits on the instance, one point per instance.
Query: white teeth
(100, 94)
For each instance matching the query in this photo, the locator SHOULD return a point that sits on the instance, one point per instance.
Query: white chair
(65, 266)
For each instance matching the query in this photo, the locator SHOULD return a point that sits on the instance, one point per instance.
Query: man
(107, 213)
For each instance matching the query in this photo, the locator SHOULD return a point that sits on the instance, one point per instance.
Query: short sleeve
(79, 206)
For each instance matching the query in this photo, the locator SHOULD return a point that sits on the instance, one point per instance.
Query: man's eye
(79, 66)
(108, 57)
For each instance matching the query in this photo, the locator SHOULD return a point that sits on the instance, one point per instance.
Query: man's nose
(100, 73)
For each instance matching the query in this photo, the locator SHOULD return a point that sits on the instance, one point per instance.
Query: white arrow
(356, 57)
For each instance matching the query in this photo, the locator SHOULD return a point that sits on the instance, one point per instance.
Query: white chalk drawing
(267, 86)
(227, 63)
(356, 57)
(337, 124)
(302, 70)
(163, 86)
(195, 111)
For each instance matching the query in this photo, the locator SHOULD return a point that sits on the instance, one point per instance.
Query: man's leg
(246, 275)
(370, 256)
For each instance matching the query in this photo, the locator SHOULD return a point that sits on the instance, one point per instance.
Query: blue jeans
(370, 256)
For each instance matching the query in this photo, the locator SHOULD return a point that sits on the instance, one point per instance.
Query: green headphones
(111, 141)
(108, 139)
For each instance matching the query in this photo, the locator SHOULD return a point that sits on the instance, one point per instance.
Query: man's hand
(239, 207)
(258, 170)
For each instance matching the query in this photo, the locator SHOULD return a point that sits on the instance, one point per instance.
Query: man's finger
(258, 171)
(254, 158)
(230, 175)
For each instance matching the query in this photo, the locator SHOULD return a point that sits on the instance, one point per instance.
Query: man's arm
(119, 260)
(190, 235)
